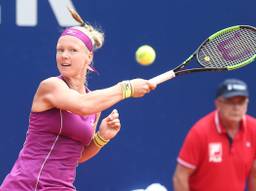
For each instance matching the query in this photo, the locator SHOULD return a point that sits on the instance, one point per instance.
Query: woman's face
(72, 57)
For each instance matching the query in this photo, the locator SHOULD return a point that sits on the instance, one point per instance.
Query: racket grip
(163, 77)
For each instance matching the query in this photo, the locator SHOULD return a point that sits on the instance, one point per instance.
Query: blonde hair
(96, 35)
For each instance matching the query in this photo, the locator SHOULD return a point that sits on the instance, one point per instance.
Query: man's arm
(181, 178)
(252, 178)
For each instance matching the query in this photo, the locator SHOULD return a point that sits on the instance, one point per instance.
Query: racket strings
(228, 49)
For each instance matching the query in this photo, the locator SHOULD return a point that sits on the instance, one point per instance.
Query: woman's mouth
(65, 65)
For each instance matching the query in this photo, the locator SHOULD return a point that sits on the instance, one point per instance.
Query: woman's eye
(60, 50)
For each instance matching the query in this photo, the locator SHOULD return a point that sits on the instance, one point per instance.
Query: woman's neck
(77, 84)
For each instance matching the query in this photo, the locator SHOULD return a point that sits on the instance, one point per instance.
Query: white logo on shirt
(215, 152)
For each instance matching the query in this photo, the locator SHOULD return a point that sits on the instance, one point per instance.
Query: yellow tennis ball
(145, 55)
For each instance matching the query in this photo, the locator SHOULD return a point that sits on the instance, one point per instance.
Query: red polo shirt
(220, 165)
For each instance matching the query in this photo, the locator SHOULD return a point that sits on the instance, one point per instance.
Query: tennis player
(219, 152)
(62, 123)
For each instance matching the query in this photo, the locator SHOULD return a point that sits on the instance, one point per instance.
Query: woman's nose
(64, 54)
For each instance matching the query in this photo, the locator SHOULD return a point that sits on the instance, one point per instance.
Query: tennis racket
(228, 49)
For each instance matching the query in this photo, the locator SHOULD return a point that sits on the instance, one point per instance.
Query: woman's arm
(90, 151)
(53, 92)
(108, 129)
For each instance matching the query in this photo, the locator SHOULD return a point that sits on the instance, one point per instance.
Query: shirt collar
(220, 129)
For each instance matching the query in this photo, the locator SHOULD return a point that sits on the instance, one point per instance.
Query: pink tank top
(49, 157)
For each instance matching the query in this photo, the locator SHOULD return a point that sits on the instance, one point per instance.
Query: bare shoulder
(51, 82)
(46, 92)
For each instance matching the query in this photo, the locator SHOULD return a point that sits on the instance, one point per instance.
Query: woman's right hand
(141, 87)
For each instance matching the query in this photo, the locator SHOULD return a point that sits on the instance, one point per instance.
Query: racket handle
(163, 77)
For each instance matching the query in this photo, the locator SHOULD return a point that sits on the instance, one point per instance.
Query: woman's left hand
(110, 125)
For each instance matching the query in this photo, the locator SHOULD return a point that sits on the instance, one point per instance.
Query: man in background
(219, 151)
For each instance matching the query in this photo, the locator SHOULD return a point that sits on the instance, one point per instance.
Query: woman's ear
(90, 56)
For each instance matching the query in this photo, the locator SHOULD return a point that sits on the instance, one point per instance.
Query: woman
(64, 114)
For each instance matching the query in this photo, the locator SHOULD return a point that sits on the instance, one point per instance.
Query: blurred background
(153, 127)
